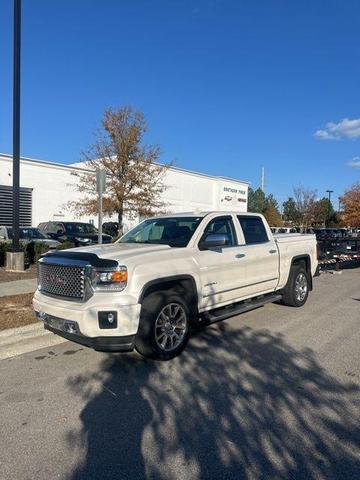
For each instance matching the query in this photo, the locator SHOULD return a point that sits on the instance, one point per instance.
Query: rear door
(261, 255)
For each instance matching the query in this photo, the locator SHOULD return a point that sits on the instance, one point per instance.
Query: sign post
(100, 188)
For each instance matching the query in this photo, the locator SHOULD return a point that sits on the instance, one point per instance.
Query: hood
(119, 251)
(47, 241)
(92, 236)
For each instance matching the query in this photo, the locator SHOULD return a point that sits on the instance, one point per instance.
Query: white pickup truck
(168, 275)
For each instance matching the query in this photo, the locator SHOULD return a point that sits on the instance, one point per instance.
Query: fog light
(107, 319)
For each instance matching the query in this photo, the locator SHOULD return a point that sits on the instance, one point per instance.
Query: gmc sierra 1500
(168, 275)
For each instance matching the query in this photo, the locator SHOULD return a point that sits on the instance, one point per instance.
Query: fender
(169, 280)
(307, 259)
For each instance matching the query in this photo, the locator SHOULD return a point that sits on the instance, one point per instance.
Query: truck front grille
(65, 281)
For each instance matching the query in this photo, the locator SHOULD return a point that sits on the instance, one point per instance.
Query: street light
(15, 259)
(329, 205)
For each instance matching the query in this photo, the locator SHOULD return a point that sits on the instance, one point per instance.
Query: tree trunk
(120, 221)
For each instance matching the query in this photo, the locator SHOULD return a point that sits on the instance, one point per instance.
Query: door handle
(240, 255)
(272, 251)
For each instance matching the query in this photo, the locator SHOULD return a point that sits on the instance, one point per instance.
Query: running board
(245, 306)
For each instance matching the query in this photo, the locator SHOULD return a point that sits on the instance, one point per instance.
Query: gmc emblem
(56, 279)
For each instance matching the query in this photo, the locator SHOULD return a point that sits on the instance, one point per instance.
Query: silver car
(27, 235)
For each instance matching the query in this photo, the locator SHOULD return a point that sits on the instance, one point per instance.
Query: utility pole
(100, 187)
(263, 179)
(15, 259)
(329, 192)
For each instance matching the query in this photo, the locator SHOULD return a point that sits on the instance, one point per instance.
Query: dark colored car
(81, 234)
(111, 228)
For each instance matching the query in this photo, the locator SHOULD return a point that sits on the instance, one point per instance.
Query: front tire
(296, 291)
(164, 326)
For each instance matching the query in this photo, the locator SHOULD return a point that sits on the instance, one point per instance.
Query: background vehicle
(168, 275)
(111, 228)
(27, 234)
(78, 233)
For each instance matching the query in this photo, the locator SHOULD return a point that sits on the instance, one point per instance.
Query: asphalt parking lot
(271, 394)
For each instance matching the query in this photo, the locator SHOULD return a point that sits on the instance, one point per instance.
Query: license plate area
(66, 326)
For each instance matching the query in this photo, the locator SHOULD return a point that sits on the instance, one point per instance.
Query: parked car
(279, 230)
(111, 228)
(78, 233)
(167, 275)
(27, 235)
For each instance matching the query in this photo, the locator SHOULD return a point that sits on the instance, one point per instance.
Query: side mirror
(213, 240)
(59, 232)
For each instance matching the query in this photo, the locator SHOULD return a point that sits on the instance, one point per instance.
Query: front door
(221, 268)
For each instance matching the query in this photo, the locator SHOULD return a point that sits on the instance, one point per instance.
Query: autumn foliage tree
(351, 206)
(134, 180)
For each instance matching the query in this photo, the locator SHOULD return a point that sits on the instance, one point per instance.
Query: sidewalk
(17, 287)
(16, 341)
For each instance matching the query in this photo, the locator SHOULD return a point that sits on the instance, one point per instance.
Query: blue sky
(226, 86)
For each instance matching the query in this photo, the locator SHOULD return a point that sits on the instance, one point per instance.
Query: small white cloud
(354, 163)
(335, 131)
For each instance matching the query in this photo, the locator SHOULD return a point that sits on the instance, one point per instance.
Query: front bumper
(70, 330)
(86, 315)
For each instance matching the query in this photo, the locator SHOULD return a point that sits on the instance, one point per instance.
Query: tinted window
(27, 233)
(76, 228)
(253, 229)
(172, 231)
(221, 225)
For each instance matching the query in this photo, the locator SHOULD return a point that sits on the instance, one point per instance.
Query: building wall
(54, 186)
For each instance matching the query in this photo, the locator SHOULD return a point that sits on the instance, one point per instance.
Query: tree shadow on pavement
(237, 403)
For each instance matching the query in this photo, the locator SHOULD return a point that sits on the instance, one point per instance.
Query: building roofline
(75, 167)
(45, 162)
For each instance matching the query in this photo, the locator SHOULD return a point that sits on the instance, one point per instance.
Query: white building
(47, 187)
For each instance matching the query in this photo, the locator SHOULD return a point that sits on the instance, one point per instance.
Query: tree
(351, 206)
(256, 200)
(305, 199)
(272, 216)
(134, 179)
(323, 213)
(291, 213)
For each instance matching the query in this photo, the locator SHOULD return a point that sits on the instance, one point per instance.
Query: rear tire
(164, 326)
(296, 291)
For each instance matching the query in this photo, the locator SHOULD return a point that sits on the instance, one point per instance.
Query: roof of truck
(199, 213)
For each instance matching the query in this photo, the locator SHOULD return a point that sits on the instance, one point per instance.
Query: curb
(16, 341)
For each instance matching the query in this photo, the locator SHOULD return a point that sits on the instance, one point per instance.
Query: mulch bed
(5, 276)
(16, 311)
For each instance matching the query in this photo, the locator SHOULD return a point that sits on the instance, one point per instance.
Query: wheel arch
(304, 260)
(183, 285)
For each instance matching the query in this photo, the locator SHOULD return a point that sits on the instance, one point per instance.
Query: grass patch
(5, 276)
(16, 311)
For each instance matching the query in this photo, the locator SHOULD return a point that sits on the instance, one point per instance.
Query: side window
(221, 225)
(2, 233)
(253, 229)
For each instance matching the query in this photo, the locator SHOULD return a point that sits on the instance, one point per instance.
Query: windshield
(78, 228)
(172, 231)
(27, 233)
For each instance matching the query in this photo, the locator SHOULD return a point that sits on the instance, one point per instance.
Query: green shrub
(4, 247)
(34, 250)
(65, 245)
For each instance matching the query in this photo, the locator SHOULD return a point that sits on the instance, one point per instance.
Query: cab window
(221, 225)
(253, 229)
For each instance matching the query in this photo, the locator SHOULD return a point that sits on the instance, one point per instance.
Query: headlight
(81, 239)
(110, 280)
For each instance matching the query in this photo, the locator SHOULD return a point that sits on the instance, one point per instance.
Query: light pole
(329, 204)
(15, 259)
